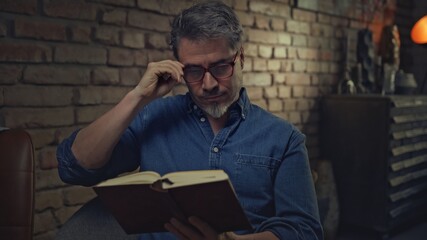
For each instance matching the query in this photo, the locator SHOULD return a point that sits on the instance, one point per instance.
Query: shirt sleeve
(297, 215)
(125, 158)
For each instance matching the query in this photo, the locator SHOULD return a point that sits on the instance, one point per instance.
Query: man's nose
(209, 82)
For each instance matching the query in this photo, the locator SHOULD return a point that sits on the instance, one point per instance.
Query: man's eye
(219, 69)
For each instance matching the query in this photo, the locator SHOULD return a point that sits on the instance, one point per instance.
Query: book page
(146, 177)
(185, 178)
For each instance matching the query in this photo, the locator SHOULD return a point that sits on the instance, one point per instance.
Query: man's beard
(216, 111)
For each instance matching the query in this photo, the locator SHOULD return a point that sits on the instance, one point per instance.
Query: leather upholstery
(16, 185)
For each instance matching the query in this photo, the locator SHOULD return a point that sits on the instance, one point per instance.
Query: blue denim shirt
(264, 156)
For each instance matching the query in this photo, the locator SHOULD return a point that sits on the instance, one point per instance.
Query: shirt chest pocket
(254, 180)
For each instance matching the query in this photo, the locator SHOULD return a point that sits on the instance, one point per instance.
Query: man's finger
(202, 226)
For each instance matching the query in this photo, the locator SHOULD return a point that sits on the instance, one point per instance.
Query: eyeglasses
(221, 71)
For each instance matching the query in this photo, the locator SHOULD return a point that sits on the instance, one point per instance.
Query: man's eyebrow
(224, 60)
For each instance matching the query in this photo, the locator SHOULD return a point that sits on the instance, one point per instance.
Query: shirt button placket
(215, 149)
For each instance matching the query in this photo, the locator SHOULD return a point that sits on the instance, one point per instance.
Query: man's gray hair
(204, 21)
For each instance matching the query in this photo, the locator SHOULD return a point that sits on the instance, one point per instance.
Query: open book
(143, 202)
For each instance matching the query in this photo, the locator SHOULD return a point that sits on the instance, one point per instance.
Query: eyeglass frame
(232, 64)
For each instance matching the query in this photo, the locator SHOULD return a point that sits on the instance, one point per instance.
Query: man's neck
(217, 123)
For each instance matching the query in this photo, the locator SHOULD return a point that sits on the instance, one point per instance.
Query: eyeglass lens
(196, 73)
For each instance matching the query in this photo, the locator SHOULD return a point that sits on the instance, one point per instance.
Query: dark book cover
(143, 208)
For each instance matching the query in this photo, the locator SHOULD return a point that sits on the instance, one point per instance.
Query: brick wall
(65, 62)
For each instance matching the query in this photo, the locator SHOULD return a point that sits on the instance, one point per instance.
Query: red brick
(99, 95)
(108, 35)
(298, 27)
(105, 75)
(262, 22)
(10, 74)
(279, 78)
(284, 38)
(157, 55)
(52, 74)
(265, 51)
(157, 41)
(280, 52)
(164, 7)
(114, 16)
(126, 3)
(274, 65)
(80, 54)
(141, 57)
(263, 36)
(24, 52)
(19, 6)
(299, 40)
(42, 137)
(39, 29)
(130, 76)
(48, 179)
(278, 24)
(80, 34)
(284, 92)
(259, 64)
(47, 159)
(120, 57)
(246, 19)
(240, 5)
(133, 39)
(48, 199)
(270, 92)
(307, 53)
(311, 92)
(322, 30)
(43, 222)
(298, 91)
(257, 79)
(149, 21)
(299, 66)
(323, 18)
(251, 50)
(295, 79)
(37, 117)
(289, 105)
(313, 67)
(74, 9)
(275, 105)
(270, 8)
(294, 117)
(302, 15)
(254, 93)
(43, 96)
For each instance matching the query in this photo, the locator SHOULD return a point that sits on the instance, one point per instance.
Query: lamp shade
(419, 31)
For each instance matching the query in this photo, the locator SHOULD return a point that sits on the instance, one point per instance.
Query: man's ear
(242, 57)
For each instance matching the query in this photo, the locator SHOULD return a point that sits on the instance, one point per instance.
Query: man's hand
(159, 79)
(203, 230)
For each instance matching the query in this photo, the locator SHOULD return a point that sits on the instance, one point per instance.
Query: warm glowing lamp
(419, 31)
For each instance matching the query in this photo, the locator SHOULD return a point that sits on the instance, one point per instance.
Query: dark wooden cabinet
(378, 149)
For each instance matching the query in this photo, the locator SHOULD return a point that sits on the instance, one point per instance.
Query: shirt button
(194, 107)
(215, 149)
(202, 119)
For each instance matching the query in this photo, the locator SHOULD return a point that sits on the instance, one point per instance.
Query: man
(214, 126)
